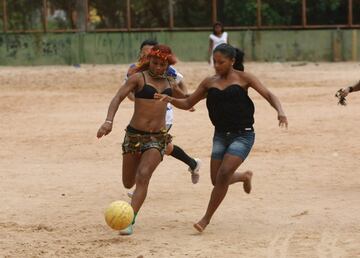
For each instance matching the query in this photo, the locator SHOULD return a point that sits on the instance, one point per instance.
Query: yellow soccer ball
(119, 215)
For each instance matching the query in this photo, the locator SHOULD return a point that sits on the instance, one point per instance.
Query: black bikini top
(148, 91)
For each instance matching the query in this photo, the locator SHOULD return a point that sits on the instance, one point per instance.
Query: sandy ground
(56, 178)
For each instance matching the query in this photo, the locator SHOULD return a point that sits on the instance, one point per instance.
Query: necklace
(156, 76)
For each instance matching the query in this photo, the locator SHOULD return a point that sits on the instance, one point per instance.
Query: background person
(217, 37)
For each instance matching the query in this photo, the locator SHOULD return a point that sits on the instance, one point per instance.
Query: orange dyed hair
(161, 51)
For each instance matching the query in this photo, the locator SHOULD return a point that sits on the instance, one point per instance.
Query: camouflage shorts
(136, 141)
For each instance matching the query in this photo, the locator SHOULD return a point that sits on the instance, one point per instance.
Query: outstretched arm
(183, 87)
(123, 91)
(356, 87)
(270, 97)
(345, 91)
(190, 101)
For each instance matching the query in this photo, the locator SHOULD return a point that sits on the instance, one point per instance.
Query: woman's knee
(128, 181)
(128, 184)
(223, 177)
(213, 180)
(143, 176)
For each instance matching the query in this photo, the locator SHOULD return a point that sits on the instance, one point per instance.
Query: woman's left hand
(283, 121)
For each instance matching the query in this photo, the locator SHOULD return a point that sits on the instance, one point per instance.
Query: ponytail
(239, 60)
(232, 53)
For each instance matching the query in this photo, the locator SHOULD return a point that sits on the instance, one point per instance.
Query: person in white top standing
(219, 36)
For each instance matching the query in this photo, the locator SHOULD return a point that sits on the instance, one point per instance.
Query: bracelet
(351, 89)
(109, 121)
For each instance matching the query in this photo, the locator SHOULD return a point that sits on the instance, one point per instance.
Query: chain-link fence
(157, 15)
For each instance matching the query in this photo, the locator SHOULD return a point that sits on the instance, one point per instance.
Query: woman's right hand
(344, 92)
(105, 129)
(163, 97)
(283, 122)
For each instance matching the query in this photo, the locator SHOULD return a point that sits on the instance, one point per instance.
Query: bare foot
(201, 225)
(247, 182)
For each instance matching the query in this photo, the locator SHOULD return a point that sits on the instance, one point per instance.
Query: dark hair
(218, 24)
(239, 60)
(232, 52)
(148, 42)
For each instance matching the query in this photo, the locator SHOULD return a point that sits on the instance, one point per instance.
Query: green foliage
(196, 14)
(68, 6)
(155, 13)
(24, 14)
(281, 12)
(237, 12)
(327, 11)
(356, 11)
(1, 17)
(273, 12)
(112, 14)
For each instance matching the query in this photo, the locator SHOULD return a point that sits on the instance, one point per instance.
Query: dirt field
(56, 177)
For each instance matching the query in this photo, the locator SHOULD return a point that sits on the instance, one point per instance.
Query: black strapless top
(231, 109)
(148, 91)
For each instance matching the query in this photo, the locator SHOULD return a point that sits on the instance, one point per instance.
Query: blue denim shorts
(234, 143)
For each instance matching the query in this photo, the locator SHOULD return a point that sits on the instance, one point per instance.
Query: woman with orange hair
(146, 136)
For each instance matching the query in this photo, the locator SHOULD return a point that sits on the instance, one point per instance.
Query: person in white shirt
(219, 36)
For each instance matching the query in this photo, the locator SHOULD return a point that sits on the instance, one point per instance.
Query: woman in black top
(231, 112)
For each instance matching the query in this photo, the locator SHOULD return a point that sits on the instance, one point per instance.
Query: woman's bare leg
(224, 174)
(244, 177)
(150, 159)
(129, 167)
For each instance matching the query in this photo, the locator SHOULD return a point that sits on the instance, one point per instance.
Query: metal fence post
(86, 15)
(350, 13)
(171, 14)
(5, 16)
(214, 11)
(44, 20)
(128, 15)
(258, 14)
(303, 16)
